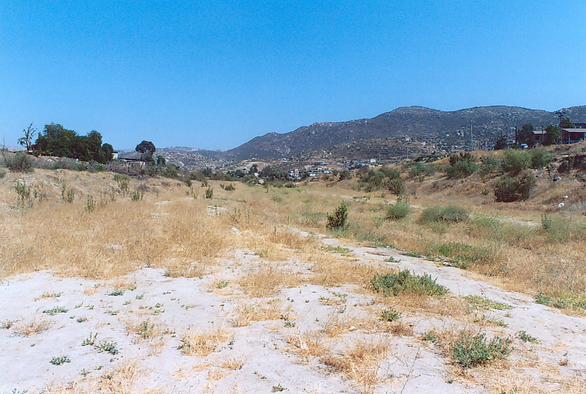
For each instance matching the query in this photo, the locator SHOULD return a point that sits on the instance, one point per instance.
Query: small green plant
(449, 214)
(90, 341)
(338, 249)
(522, 335)
(461, 255)
(146, 329)
(116, 292)
(230, 187)
(122, 182)
(60, 360)
(54, 311)
(406, 282)
(222, 284)
(399, 210)
(471, 350)
(390, 315)
(137, 195)
(483, 303)
(108, 347)
(339, 218)
(67, 194)
(563, 301)
(391, 259)
(24, 194)
(209, 193)
(431, 336)
(90, 204)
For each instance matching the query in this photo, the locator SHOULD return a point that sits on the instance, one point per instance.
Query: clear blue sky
(213, 74)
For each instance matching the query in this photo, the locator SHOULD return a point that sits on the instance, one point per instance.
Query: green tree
(553, 135)
(147, 149)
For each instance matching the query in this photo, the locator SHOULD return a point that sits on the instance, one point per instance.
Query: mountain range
(404, 131)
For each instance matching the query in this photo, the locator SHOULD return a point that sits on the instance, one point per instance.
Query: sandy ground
(45, 317)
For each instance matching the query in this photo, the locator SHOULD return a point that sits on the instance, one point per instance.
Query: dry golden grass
(267, 280)
(261, 311)
(197, 343)
(360, 364)
(34, 327)
(118, 381)
(233, 364)
(307, 345)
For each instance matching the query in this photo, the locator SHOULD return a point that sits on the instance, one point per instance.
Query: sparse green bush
(398, 210)
(406, 282)
(421, 170)
(461, 166)
(90, 204)
(489, 165)
(396, 186)
(209, 193)
(448, 214)
(67, 194)
(515, 161)
(471, 350)
(338, 219)
(137, 195)
(24, 194)
(563, 301)
(20, 162)
(525, 337)
(390, 315)
(230, 187)
(108, 347)
(462, 255)
(122, 182)
(540, 158)
(509, 189)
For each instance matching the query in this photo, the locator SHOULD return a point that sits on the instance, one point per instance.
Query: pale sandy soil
(268, 355)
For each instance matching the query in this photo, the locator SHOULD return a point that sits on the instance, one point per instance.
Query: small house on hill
(134, 159)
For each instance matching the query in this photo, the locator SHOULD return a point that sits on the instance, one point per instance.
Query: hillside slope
(445, 129)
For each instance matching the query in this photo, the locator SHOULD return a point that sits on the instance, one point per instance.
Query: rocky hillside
(440, 130)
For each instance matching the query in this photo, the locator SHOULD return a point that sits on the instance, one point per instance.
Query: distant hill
(400, 128)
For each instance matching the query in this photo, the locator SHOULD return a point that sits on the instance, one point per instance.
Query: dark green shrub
(471, 350)
(209, 193)
(448, 214)
(20, 162)
(515, 161)
(338, 219)
(405, 282)
(509, 189)
(399, 210)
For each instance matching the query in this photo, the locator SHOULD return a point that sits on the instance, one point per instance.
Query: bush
(461, 169)
(489, 165)
(509, 189)
(338, 219)
(209, 193)
(396, 186)
(24, 194)
(474, 350)
(20, 162)
(229, 187)
(461, 166)
(421, 170)
(540, 158)
(515, 161)
(444, 215)
(399, 210)
(406, 282)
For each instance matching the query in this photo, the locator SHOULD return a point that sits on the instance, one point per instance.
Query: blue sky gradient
(213, 74)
